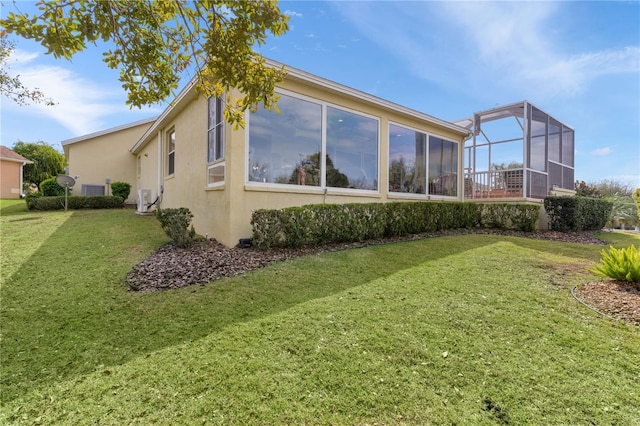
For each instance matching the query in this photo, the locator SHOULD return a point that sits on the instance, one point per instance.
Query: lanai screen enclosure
(517, 151)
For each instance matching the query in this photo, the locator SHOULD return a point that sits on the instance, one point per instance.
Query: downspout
(160, 187)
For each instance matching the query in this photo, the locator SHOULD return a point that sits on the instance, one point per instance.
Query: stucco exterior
(170, 158)
(99, 156)
(11, 173)
(223, 211)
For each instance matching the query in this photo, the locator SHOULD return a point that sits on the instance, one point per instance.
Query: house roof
(511, 110)
(107, 131)
(189, 92)
(8, 155)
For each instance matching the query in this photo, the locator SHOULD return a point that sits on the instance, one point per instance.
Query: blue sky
(578, 61)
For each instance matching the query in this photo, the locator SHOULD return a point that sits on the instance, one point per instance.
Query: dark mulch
(618, 299)
(207, 260)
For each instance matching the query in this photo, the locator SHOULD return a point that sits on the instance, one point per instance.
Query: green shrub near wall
(318, 224)
(121, 189)
(575, 214)
(75, 202)
(50, 188)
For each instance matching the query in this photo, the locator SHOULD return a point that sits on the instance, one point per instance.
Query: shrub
(175, 223)
(50, 188)
(75, 202)
(121, 189)
(520, 217)
(574, 214)
(622, 265)
(331, 223)
(30, 199)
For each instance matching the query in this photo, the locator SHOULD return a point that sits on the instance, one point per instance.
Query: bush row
(75, 202)
(574, 214)
(318, 224)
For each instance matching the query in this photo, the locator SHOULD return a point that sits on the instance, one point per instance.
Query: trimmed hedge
(318, 224)
(574, 214)
(75, 202)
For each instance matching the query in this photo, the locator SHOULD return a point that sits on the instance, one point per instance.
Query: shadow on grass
(73, 314)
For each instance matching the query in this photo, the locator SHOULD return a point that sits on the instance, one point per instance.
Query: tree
(47, 161)
(157, 40)
(587, 189)
(624, 211)
(11, 86)
(636, 197)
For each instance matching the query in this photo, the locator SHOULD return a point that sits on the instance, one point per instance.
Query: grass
(470, 329)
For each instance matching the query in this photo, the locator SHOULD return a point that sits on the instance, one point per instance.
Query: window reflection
(407, 164)
(443, 167)
(352, 150)
(285, 148)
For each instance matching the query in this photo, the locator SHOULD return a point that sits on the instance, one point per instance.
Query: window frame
(428, 135)
(216, 143)
(171, 153)
(323, 134)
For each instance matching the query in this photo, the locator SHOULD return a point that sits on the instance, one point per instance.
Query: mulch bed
(207, 260)
(617, 299)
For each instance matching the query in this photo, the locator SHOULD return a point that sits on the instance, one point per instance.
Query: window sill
(215, 187)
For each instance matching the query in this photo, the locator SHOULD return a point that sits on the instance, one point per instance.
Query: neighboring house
(328, 144)
(97, 159)
(11, 173)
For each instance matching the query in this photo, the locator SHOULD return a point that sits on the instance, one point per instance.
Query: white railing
(494, 184)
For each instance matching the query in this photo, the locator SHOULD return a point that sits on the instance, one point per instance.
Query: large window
(311, 144)
(285, 148)
(352, 150)
(443, 167)
(409, 167)
(215, 141)
(407, 162)
(171, 152)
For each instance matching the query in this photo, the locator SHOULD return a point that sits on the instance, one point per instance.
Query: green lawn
(472, 329)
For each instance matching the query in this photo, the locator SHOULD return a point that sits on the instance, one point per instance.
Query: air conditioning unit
(144, 199)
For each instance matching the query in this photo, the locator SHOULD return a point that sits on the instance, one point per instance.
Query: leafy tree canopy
(47, 161)
(155, 41)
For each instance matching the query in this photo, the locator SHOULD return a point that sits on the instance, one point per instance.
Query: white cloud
(488, 46)
(21, 57)
(602, 152)
(292, 13)
(81, 105)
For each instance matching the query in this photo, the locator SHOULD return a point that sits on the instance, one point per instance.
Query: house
(329, 143)
(97, 159)
(11, 173)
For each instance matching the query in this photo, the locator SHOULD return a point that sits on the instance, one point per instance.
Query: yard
(470, 329)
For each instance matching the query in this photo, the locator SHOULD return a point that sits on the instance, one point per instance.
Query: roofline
(514, 104)
(16, 160)
(337, 87)
(106, 131)
(187, 93)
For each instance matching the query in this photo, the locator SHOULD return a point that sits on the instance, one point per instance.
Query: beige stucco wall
(105, 156)
(224, 212)
(10, 179)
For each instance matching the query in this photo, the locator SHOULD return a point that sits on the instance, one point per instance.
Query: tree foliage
(587, 189)
(11, 86)
(47, 161)
(624, 210)
(155, 41)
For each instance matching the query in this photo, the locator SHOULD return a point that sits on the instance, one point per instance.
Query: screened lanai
(517, 151)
